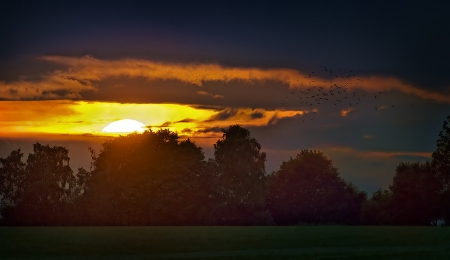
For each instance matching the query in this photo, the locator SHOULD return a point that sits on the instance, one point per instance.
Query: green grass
(304, 242)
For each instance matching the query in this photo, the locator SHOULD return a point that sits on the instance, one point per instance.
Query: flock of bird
(338, 95)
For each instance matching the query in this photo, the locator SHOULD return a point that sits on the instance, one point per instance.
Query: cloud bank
(81, 74)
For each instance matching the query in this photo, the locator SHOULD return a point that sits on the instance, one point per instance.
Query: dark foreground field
(318, 242)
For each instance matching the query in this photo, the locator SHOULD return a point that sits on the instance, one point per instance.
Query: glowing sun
(124, 126)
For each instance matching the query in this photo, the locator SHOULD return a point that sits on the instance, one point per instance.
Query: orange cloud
(249, 117)
(344, 112)
(54, 86)
(82, 73)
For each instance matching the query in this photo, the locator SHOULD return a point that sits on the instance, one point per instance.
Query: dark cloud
(223, 115)
(186, 131)
(209, 130)
(257, 115)
(58, 93)
(208, 107)
(165, 124)
(82, 82)
(186, 120)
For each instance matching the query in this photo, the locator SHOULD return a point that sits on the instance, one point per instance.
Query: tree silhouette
(415, 194)
(441, 163)
(307, 189)
(40, 190)
(378, 209)
(441, 157)
(241, 184)
(12, 178)
(146, 179)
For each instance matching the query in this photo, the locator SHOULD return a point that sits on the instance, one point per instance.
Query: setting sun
(124, 126)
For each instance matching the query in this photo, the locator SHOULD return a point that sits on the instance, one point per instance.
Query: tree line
(154, 178)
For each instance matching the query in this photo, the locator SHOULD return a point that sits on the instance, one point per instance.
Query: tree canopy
(441, 157)
(150, 178)
(36, 193)
(307, 189)
(239, 174)
(415, 194)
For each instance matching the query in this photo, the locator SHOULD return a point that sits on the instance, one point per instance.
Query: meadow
(269, 242)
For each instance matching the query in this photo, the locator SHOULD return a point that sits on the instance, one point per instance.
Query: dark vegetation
(153, 178)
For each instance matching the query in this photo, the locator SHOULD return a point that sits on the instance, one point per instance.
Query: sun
(124, 126)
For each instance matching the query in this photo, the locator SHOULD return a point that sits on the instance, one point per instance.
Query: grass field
(303, 242)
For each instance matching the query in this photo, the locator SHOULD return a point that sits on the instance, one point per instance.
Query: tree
(441, 164)
(415, 194)
(378, 210)
(441, 157)
(37, 192)
(12, 177)
(241, 185)
(307, 189)
(146, 179)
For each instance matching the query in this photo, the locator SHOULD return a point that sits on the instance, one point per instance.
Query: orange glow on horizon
(90, 118)
(80, 117)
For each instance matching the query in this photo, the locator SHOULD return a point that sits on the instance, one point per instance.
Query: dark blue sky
(400, 38)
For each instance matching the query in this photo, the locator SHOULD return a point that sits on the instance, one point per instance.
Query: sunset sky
(367, 83)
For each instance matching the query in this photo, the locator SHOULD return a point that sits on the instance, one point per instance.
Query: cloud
(163, 125)
(186, 120)
(53, 86)
(257, 115)
(81, 74)
(225, 114)
(204, 93)
(12, 111)
(186, 131)
(213, 130)
(344, 112)
(251, 117)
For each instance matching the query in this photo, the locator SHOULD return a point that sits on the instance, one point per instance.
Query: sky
(366, 83)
